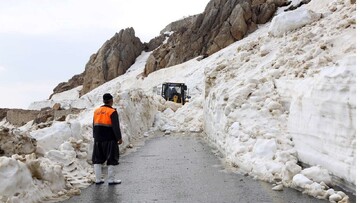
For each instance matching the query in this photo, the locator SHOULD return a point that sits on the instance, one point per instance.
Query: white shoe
(111, 176)
(100, 182)
(115, 182)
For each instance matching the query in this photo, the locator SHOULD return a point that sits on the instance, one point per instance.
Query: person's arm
(116, 126)
(93, 128)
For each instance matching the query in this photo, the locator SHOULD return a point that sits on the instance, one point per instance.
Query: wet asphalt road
(183, 169)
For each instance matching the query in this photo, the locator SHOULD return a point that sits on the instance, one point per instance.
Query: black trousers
(106, 151)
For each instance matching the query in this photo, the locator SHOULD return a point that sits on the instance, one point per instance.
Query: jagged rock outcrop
(180, 24)
(155, 42)
(222, 23)
(75, 81)
(164, 33)
(113, 59)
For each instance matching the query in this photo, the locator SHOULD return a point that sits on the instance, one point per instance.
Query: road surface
(183, 169)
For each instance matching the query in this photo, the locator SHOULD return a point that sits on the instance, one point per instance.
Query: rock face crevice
(222, 23)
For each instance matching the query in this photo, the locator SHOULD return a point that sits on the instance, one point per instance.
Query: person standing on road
(107, 137)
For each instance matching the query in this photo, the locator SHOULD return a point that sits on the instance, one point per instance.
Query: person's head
(108, 99)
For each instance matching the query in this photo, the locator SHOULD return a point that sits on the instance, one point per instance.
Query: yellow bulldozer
(175, 92)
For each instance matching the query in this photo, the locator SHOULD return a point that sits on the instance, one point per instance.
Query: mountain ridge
(222, 23)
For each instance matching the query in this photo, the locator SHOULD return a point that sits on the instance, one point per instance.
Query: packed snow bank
(280, 100)
(322, 119)
(62, 163)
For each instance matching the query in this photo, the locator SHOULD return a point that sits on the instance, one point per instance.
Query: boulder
(57, 106)
(19, 117)
(11, 143)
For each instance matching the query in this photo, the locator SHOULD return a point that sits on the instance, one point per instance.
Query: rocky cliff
(222, 23)
(113, 59)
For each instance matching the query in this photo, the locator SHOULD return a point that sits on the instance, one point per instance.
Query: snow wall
(295, 89)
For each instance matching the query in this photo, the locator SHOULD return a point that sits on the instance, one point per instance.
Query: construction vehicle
(175, 92)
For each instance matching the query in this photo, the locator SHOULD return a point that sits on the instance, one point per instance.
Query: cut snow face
(284, 99)
(322, 119)
(267, 102)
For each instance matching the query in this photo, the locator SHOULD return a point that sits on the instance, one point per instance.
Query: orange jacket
(106, 125)
(102, 116)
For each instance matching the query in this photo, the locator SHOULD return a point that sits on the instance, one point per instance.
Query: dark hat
(107, 97)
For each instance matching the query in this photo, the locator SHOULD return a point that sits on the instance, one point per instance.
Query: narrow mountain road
(183, 169)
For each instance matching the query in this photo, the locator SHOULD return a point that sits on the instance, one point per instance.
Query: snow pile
(265, 102)
(60, 131)
(69, 99)
(170, 117)
(27, 179)
(288, 21)
(178, 118)
(15, 176)
(61, 165)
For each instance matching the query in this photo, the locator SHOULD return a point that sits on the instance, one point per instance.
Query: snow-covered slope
(288, 98)
(283, 94)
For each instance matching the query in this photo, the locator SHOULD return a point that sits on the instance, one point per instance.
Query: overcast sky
(45, 42)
